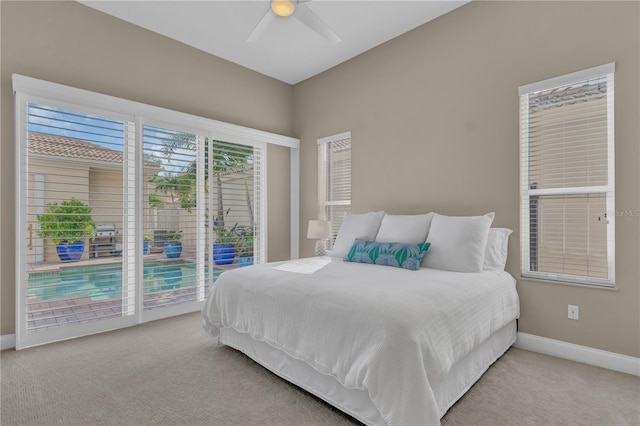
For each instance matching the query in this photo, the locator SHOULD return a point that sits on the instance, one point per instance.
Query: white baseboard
(7, 341)
(583, 354)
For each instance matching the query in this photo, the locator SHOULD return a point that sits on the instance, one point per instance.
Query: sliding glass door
(125, 219)
(78, 214)
(174, 274)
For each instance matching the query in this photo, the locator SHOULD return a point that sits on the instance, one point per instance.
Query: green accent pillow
(400, 255)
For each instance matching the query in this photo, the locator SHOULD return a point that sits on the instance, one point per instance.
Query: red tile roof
(60, 146)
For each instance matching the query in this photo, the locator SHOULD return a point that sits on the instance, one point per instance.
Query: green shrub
(68, 221)
(244, 240)
(225, 235)
(173, 235)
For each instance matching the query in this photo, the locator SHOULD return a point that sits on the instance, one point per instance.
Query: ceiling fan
(298, 9)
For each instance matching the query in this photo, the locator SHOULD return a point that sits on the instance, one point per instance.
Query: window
(238, 210)
(567, 178)
(334, 180)
(122, 215)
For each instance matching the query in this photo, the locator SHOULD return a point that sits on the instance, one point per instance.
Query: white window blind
(334, 180)
(237, 182)
(76, 213)
(126, 179)
(567, 178)
(170, 217)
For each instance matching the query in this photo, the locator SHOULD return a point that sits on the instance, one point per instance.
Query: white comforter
(389, 331)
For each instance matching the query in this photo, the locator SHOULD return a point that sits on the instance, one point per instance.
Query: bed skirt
(356, 402)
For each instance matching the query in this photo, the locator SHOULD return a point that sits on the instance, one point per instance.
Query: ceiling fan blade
(262, 25)
(310, 19)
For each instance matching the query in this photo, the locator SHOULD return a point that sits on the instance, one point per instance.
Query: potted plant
(67, 224)
(224, 249)
(172, 245)
(147, 241)
(244, 245)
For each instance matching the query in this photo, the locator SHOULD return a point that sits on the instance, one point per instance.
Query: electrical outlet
(573, 312)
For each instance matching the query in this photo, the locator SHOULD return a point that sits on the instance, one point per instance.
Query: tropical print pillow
(399, 255)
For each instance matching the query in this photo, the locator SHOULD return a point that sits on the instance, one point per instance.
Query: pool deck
(50, 314)
(47, 315)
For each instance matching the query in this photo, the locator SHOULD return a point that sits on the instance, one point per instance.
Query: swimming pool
(104, 282)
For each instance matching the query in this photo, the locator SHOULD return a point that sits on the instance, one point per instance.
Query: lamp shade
(319, 230)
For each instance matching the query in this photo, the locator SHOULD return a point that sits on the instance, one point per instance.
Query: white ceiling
(287, 50)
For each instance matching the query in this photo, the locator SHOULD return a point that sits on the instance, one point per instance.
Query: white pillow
(411, 229)
(495, 254)
(458, 242)
(362, 226)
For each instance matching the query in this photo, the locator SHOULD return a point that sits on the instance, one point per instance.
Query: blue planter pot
(70, 252)
(223, 254)
(245, 261)
(145, 247)
(172, 249)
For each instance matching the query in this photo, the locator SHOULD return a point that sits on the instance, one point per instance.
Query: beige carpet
(169, 372)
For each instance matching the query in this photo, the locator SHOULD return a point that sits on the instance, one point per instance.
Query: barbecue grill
(104, 243)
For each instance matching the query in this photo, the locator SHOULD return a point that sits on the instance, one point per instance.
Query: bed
(386, 345)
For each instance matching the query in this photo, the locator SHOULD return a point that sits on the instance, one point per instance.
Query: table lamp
(319, 230)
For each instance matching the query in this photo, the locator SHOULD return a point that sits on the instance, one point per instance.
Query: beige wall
(278, 158)
(74, 175)
(68, 43)
(434, 119)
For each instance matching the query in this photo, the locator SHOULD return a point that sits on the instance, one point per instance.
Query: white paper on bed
(387, 330)
(307, 265)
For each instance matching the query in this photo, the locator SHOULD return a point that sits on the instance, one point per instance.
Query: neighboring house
(61, 168)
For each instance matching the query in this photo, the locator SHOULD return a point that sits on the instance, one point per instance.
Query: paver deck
(54, 313)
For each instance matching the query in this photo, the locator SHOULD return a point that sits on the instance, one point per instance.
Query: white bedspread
(389, 331)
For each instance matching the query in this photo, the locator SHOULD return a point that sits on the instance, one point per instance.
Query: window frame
(323, 180)
(526, 192)
(27, 89)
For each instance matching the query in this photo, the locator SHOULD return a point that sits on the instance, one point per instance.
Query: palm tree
(170, 181)
(228, 158)
(166, 184)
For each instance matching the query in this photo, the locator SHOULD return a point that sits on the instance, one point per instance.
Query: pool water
(105, 281)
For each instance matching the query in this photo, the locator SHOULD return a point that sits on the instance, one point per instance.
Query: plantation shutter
(238, 211)
(567, 177)
(78, 210)
(172, 208)
(127, 178)
(334, 178)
